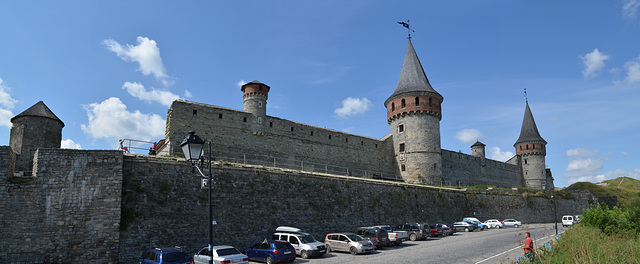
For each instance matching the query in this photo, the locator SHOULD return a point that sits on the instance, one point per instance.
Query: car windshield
(355, 237)
(307, 239)
(227, 251)
(175, 256)
(388, 228)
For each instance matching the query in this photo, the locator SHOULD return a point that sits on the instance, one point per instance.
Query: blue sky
(110, 69)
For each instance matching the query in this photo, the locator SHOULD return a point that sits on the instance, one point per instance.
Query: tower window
(401, 128)
(417, 101)
(534, 146)
(270, 124)
(434, 166)
(195, 112)
(260, 88)
(525, 161)
(312, 133)
(376, 145)
(291, 129)
(260, 120)
(403, 103)
(520, 147)
(259, 103)
(401, 147)
(527, 146)
(244, 119)
(329, 136)
(402, 168)
(361, 143)
(430, 102)
(219, 116)
(393, 106)
(346, 139)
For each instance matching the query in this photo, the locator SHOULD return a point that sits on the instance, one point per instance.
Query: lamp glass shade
(192, 146)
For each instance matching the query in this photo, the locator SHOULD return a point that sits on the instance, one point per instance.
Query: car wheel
(269, 260)
(304, 254)
(328, 248)
(412, 237)
(353, 250)
(515, 226)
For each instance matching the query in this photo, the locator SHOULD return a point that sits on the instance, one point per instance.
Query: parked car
(512, 222)
(435, 230)
(447, 229)
(481, 226)
(416, 231)
(348, 242)
(568, 220)
(494, 223)
(221, 255)
(378, 236)
(395, 237)
(165, 255)
(305, 244)
(466, 226)
(271, 251)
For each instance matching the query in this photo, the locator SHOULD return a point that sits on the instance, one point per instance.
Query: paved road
(484, 247)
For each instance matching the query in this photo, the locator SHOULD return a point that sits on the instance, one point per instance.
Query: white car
(568, 220)
(221, 254)
(512, 222)
(494, 223)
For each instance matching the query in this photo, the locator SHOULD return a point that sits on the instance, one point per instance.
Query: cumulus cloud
(580, 152)
(497, 154)
(468, 135)
(584, 165)
(110, 119)
(630, 8)
(633, 70)
(69, 144)
(6, 105)
(137, 90)
(241, 83)
(146, 54)
(353, 106)
(593, 63)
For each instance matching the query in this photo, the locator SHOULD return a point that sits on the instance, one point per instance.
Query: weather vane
(526, 100)
(406, 24)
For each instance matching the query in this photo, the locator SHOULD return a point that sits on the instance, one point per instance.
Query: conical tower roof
(412, 76)
(529, 131)
(39, 109)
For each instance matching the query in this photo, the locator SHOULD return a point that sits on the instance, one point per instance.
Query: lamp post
(555, 213)
(192, 149)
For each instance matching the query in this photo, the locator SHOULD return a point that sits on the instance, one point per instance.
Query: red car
(435, 230)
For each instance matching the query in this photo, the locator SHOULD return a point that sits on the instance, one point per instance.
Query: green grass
(624, 188)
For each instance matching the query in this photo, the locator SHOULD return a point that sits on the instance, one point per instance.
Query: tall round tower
(36, 127)
(414, 114)
(255, 95)
(531, 151)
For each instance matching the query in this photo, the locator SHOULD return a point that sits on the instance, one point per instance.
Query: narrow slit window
(270, 124)
(244, 119)
(401, 147)
(417, 101)
(219, 116)
(393, 106)
(403, 102)
(401, 128)
(195, 112)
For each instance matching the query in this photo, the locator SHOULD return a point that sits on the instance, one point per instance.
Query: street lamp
(192, 149)
(555, 213)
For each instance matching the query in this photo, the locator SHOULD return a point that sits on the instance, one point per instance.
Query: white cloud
(630, 8)
(593, 62)
(581, 152)
(633, 70)
(468, 135)
(499, 155)
(6, 104)
(137, 90)
(146, 54)
(584, 165)
(110, 119)
(69, 144)
(187, 94)
(241, 83)
(353, 106)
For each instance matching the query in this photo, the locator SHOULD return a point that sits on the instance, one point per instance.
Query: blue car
(165, 256)
(271, 251)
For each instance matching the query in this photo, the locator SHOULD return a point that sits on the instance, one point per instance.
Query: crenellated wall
(464, 170)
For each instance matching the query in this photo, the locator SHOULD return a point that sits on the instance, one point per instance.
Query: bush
(622, 221)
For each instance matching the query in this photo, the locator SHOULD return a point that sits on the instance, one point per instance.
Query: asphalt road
(482, 247)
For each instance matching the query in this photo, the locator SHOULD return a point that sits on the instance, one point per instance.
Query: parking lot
(488, 246)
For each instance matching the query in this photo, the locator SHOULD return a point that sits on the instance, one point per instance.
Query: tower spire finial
(406, 24)
(526, 100)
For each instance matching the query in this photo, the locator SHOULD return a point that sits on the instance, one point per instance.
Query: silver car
(348, 242)
(512, 222)
(228, 254)
(494, 223)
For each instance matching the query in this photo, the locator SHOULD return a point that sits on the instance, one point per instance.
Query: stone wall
(467, 170)
(67, 212)
(168, 208)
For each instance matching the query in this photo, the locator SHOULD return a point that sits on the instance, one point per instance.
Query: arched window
(430, 102)
(393, 106)
(527, 146)
(403, 103)
(417, 101)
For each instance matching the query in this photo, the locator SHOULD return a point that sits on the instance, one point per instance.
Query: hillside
(626, 189)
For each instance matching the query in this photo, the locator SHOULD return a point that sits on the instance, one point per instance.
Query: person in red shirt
(528, 246)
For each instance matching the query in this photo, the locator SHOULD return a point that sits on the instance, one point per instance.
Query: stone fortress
(410, 152)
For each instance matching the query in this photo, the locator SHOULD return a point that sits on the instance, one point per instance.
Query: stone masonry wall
(467, 170)
(232, 135)
(165, 207)
(68, 212)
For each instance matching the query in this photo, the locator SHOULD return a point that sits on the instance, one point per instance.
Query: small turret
(477, 149)
(36, 127)
(255, 95)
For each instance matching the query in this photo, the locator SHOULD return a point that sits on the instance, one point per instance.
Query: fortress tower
(255, 95)
(414, 114)
(36, 127)
(477, 149)
(531, 152)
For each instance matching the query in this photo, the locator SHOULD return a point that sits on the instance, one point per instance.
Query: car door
(343, 243)
(202, 256)
(293, 240)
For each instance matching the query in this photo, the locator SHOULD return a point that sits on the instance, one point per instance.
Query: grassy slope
(626, 189)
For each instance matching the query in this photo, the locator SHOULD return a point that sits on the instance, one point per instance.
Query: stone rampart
(465, 170)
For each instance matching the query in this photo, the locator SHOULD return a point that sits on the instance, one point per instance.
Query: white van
(306, 246)
(568, 220)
